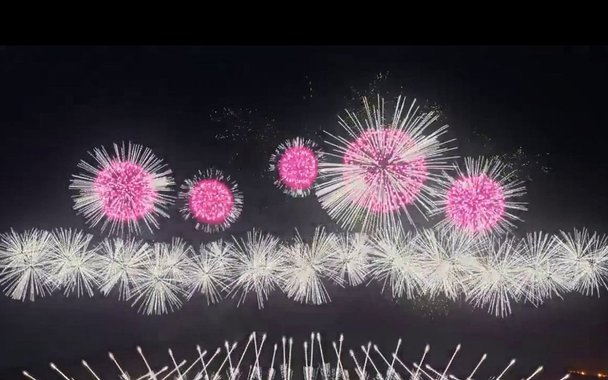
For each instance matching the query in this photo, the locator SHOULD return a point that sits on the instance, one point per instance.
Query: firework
(351, 258)
(497, 278)
(394, 261)
(258, 266)
(384, 170)
(446, 258)
(542, 273)
(160, 286)
(75, 264)
(209, 271)
(306, 264)
(585, 257)
(123, 189)
(122, 265)
(480, 198)
(296, 163)
(26, 264)
(213, 200)
(339, 363)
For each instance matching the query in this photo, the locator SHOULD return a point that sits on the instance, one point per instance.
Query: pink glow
(211, 201)
(476, 203)
(126, 191)
(382, 162)
(298, 168)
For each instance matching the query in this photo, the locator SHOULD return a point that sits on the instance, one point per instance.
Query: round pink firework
(381, 169)
(124, 189)
(296, 163)
(212, 200)
(481, 198)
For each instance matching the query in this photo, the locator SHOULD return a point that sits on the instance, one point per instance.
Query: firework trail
(296, 164)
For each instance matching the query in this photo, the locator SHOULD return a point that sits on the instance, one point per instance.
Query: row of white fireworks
(226, 363)
(488, 272)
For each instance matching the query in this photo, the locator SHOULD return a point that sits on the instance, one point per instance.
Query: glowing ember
(298, 168)
(126, 191)
(211, 201)
(476, 203)
(392, 177)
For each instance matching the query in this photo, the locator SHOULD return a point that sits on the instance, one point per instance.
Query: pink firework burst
(382, 169)
(481, 198)
(123, 189)
(212, 200)
(296, 163)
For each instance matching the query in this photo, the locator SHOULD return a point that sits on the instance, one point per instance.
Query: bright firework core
(211, 201)
(394, 178)
(476, 203)
(126, 191)
(298, 167)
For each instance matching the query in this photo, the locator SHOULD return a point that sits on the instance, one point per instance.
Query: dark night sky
(58, 103)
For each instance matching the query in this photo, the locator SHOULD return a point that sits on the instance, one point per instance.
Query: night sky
(228, 107)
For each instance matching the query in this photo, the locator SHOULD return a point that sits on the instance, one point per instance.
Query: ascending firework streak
(490, 272)
(231, 362)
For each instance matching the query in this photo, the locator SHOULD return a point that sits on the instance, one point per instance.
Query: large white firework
(75, 263)
(350, 258)
(395, 262)
(543, 273)
(123, 189)
(585, 257)
(122, 264)
(306, 265)
(382, 168)
(160, 287)
(26, 264)
(484, 196)
(208, 272)
(257, 267)
(496, 280)
(447, 258)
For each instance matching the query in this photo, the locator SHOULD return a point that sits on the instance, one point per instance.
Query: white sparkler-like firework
(258, 266)
(306, 264)
(74, 262)
(382, 169)
(585, 256)
(123, 263)
(367, 362)
(209, 271)
(394, 261)
(26, 266)
(350, 258)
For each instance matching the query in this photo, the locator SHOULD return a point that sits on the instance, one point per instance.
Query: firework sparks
(26, 266)
(209, 271)
(213, 200)
(384, 170)
(123, 189)
(258, 266)
(351, 258)
(122, 264)
(480, 198)
(306, 265)
(75, 264)
(296, 163)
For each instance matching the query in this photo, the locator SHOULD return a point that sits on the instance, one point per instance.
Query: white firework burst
(122, 265)
(395, 262)
(446, 258)
(350, 258)
(497, 279)
(482, 197)
(258, 266)
(306, 265)
(160, 286)
(585, 256)
(123, 189)
(75, 264)
(26, 267)
(383, 169)
(543, 275)
(209, 271)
